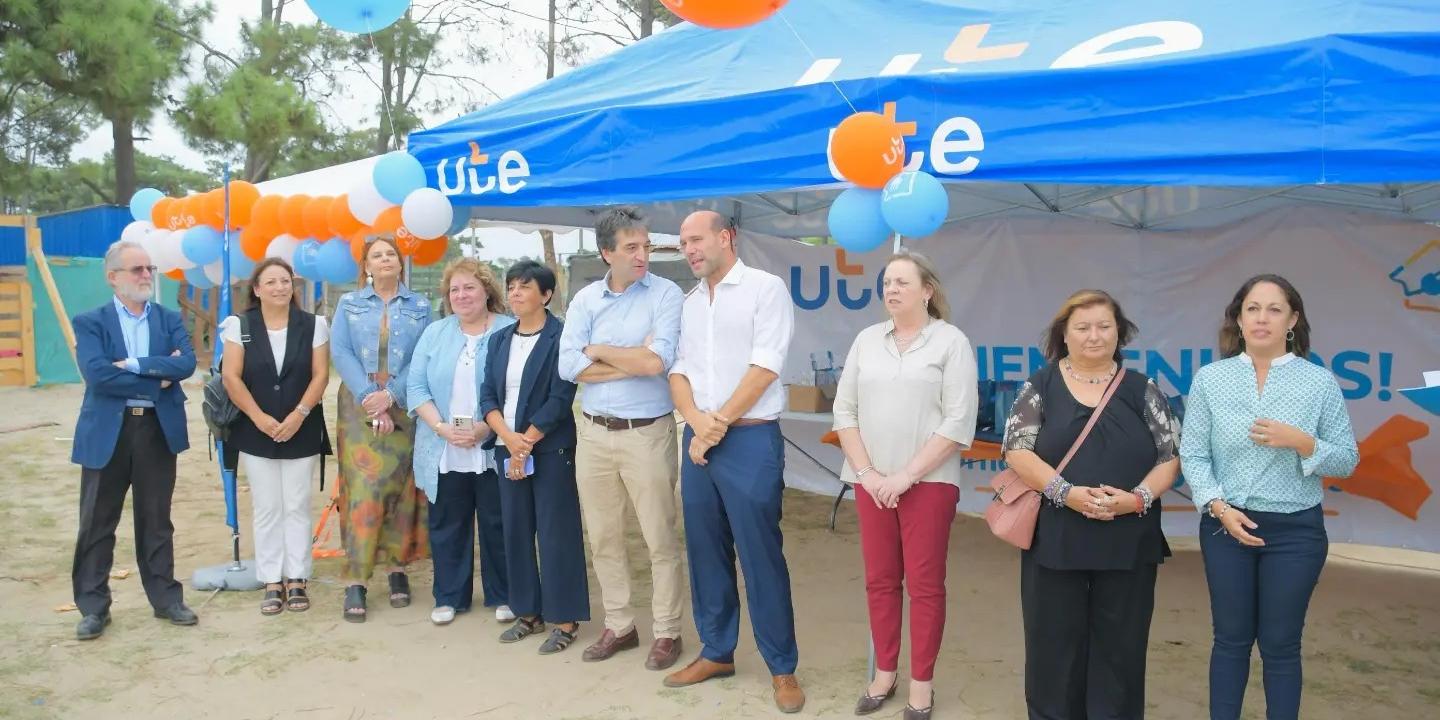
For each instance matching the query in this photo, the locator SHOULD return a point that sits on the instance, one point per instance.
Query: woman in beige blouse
(904, 411)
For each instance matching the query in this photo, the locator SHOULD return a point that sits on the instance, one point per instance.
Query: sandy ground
(1372, 646)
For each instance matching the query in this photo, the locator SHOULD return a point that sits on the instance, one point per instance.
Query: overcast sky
(516, 65)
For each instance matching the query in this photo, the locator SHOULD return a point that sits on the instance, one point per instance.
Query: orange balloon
(265, 215)
(429, 252)
(212, 209)
(177, 275)
(357, 247)
(724, 14)
(160, 212)
(388, 223)
(342, 221)
(868, 149)
(317, 217)
(292, 215)
(183, 213)
(253, 242)
(243, 196)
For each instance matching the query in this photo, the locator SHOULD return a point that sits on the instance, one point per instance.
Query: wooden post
(27, 334)
(32, 244)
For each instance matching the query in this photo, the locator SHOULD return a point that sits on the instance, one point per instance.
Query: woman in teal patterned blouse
(1263, 426)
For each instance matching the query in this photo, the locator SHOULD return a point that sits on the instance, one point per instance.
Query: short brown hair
(1053, 344)
(938, 307)
(493, 294)
(1232, 343)
(261, 267)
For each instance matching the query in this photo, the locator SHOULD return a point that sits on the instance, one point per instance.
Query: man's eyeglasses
(140, 270)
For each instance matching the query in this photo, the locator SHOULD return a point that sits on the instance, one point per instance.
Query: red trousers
(907, 544)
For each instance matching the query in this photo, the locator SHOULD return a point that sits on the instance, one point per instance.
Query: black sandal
(558, 640)
(399, 590)
(296, 599)
(355, 603)
(868, 703)
(272, 604)
(523, 628)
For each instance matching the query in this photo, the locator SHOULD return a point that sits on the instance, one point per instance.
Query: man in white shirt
(735, 330)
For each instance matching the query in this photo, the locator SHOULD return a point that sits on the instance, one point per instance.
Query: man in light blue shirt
(618, 344)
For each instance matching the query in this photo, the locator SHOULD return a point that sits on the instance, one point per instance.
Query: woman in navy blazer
(529, 407)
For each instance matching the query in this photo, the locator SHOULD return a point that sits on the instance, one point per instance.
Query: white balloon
(366, 203)
(170, 247)
(136, 231)
(215, 272)
(151, 242)
(427, 213)
(283, 247)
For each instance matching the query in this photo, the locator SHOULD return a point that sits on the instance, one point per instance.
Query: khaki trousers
(639, 464)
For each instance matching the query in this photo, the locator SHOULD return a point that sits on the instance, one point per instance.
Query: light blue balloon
(914, 204)
(359, 16)
(240, 264)
(196, 276)
(461, 221)
(397, 174)
(143, 201)
(202, 244)
(856, 222)
(335, 263)
(305, 259)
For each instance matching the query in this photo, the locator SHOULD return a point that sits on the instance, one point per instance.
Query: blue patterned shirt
(1219, 459)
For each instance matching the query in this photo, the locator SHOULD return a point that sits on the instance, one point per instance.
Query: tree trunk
(647, 18)
(123, 131)
(387, 111)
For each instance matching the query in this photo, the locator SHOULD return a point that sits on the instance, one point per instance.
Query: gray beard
(133, 294)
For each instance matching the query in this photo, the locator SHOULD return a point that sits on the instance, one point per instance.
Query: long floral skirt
(382, 513)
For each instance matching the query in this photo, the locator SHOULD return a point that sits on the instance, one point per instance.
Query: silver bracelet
(304, 411)
(862, 472)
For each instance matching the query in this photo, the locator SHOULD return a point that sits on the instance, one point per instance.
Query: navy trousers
(1261, 594)
(543, 511)
(733, 504)
(465, 501)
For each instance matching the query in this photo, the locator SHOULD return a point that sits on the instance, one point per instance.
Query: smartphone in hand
(463, 422)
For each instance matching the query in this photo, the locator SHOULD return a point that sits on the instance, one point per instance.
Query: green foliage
(88, 182)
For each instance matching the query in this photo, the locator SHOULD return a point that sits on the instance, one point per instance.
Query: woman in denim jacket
(374, 333)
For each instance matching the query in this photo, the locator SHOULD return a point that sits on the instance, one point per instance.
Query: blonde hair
(493, 295)
(938, 307)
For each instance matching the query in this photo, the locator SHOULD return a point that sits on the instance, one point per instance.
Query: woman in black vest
(281, 431)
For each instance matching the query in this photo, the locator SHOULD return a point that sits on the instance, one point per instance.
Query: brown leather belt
(747, 422)
(139, 411)
(613, 423)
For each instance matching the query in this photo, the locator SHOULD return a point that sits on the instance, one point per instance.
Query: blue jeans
(1261, 593)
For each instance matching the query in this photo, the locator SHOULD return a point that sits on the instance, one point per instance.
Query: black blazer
(278, 391)
(546, 400)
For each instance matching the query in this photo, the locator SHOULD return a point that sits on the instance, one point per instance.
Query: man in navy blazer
(133, 354)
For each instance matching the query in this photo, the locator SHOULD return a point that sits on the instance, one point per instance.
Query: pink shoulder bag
(1012, 513)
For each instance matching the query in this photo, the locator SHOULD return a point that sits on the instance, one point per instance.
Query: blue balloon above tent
(359, 16)
(856, 222)
(914, 204)
(202, 244)
(397, 174)
(143, 201)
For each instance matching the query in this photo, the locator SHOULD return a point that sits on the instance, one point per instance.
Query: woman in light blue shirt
(454, 464)
(1263, 427)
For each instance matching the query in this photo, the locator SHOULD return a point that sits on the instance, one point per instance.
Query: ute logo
(847, 274)
(1419, 278)
(508, 174)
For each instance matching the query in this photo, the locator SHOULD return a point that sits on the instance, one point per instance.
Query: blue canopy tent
(1168, 115)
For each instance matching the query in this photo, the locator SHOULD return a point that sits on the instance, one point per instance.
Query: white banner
(1375, 322)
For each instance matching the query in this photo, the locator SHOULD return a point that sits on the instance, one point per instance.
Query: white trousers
(280, 491)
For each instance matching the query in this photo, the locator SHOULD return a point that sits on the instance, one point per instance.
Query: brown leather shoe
(609, 644)
(788, 695)
(663, 653)
(699, 671)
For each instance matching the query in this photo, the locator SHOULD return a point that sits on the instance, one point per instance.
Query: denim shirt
(355, 339)
(431, 378)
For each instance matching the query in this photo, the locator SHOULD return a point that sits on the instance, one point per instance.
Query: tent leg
(235, 546)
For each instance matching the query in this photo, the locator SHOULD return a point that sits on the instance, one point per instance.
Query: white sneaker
(504, 614)
(442, 615)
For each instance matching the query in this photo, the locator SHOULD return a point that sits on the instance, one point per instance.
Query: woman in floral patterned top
(1087, 583)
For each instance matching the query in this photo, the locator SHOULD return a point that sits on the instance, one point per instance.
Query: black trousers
(1086, 633)
(465, 500)
(543, 512)
(144, 462)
